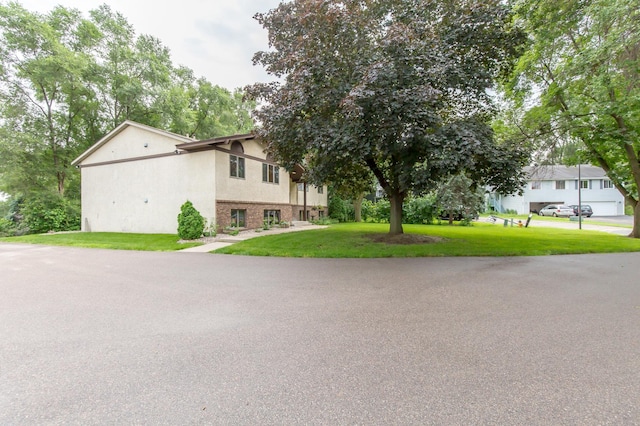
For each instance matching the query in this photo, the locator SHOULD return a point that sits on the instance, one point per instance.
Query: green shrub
(367, 211)
(382, 212)
(323, 221)
(231, 230)
(7, 227)
(190, 222)
(341, 210)
(420, 210)
(47, 212)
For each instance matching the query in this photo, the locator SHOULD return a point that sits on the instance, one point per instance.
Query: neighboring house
(559, 185)
(136, 178)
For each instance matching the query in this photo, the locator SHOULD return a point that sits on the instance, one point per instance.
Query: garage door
(608, 208)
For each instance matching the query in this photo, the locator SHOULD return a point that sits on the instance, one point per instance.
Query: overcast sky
(215, 38)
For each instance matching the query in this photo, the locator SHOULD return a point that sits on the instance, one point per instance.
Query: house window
(584, 184)
(236, 162)
(270, 173)
(238, 218)
(536, 184)
(272, 217)
(320, 190)
(301, 187)
(607, 184)
(236, 166)
(559, 184)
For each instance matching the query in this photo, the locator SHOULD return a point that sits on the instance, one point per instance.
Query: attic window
(237, 147)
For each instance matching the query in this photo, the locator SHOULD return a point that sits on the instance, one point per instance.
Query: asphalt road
(113, 337)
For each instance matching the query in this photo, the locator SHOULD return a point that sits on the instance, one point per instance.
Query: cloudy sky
(215, 38)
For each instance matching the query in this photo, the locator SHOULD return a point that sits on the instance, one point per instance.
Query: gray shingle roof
(564, 172)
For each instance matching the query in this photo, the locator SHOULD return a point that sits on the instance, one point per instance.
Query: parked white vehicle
(556, 210)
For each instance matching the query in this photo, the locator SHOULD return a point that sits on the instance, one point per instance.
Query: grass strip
(106, 240)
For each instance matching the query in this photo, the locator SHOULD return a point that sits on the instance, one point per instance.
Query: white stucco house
(559, 185)
(136, 178)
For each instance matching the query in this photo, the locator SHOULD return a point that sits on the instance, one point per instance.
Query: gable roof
(128, 123)
(565, 172)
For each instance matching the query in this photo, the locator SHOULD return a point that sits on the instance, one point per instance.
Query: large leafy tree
(199, 109)
(132, 72)
(45, 63)
(397, 86)
(580, 80)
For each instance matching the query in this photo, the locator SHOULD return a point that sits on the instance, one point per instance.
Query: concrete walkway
(224, 240)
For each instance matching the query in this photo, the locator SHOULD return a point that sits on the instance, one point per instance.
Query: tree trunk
(60, 178)
(395, 220)
(357, 207)
(635, 232)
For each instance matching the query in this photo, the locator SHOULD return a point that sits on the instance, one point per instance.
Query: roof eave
(210, 143)
(127, 123)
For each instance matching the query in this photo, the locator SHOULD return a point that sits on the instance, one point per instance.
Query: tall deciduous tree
(45, 62)
(132, 73)
(198, 109)
(398, 86)
(583, 69)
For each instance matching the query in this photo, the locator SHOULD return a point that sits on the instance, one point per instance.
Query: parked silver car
(556, 210)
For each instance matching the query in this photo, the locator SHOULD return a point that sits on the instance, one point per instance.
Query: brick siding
(254, 217)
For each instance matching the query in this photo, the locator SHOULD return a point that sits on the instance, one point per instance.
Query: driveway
(93, 336)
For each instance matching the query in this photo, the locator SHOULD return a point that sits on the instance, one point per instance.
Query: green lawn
(106, 240)
(355, 240)
(482, 239)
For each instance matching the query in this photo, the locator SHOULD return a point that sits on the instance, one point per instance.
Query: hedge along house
(136, 178)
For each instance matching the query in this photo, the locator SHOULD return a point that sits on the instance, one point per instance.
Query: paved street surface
(93, 336)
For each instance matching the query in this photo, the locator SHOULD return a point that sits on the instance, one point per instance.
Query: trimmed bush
(190, 222)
